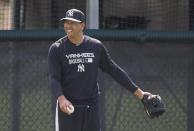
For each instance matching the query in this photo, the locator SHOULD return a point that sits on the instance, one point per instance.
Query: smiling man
(74, 61)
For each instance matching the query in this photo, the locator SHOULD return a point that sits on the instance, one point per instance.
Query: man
(73, 68)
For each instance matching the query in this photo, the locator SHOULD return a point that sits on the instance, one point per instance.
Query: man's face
(73, 28)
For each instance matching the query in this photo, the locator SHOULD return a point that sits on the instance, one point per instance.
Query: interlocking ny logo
(80, 68)
(70, 13)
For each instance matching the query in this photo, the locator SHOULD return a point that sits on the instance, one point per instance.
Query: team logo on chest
(81, 59)
(81, 68)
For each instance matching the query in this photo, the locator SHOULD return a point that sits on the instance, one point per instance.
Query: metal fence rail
(103, 34)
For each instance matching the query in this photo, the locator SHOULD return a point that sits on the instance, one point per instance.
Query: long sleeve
(54, 70)
(109, 66)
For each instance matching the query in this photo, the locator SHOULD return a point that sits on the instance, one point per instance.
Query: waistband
(84, 102)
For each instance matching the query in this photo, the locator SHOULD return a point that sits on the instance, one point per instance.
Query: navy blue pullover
(73, 70)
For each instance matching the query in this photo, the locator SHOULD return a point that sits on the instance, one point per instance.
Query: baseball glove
(154, 106)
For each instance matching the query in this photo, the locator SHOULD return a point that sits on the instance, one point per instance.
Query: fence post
(190, 112)
(16, 93)
(191, 17)
(19, 14)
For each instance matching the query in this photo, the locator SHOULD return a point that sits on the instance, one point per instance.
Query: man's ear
(83, 25)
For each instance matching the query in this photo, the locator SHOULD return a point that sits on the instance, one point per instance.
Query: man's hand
(65, 105)
(139, 93)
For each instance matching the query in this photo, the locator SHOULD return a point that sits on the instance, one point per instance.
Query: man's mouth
(68, 31)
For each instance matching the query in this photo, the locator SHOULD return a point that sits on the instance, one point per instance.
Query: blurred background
(152, 40)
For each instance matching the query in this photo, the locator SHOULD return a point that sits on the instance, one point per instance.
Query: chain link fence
(165, 15)
(160, 68)
(26, 102)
